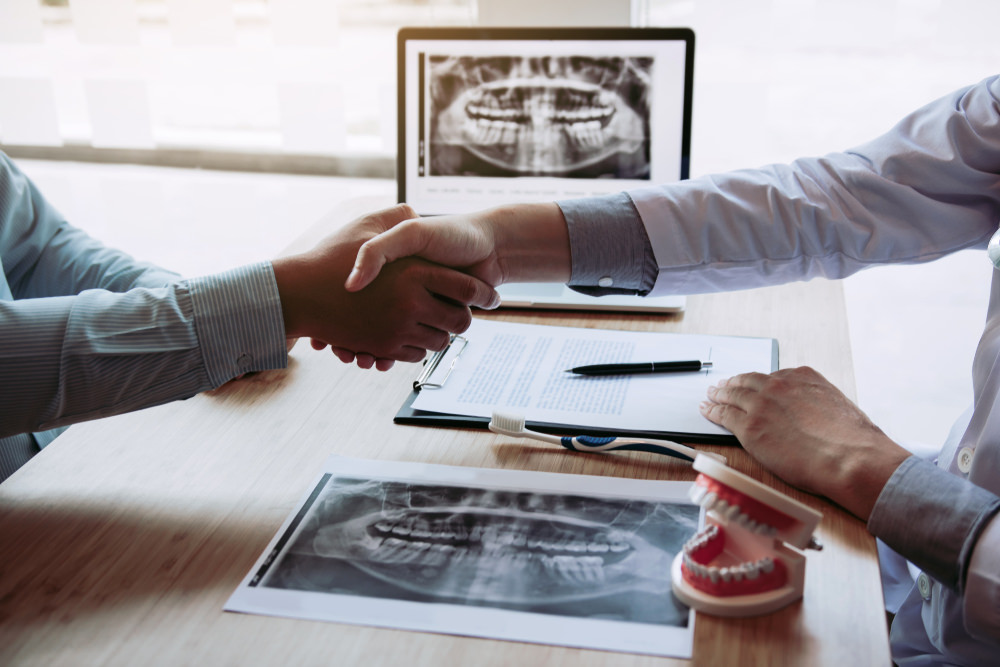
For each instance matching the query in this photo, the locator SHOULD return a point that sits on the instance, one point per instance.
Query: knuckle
(440, 341)
(462, 322)
(410, 355)
(405, 210)
(717, 411)
(467, 292)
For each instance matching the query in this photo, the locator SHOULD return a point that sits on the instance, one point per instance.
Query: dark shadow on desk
(58, 563)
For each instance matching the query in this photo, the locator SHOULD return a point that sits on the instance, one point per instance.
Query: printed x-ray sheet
(571, 560)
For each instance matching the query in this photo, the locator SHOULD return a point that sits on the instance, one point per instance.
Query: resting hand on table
(411, 308)
(804, 430)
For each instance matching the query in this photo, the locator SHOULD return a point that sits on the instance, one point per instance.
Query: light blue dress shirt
(929, 187)
(87, 331)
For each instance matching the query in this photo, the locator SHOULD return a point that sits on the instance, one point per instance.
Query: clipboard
(441, 366)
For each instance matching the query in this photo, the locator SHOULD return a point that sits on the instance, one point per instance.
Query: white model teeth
(696, 493)
(731, 513)
(702, 538)
(731, 573)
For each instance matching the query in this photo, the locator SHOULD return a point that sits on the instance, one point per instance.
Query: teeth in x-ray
(499, 555)
(541, 125)
(410, 531)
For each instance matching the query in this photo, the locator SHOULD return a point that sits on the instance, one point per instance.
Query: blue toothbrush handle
(590, 443)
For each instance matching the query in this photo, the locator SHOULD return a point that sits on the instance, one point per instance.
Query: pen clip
(431, 365)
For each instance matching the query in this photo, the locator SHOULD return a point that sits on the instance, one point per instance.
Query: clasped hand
(411, 307)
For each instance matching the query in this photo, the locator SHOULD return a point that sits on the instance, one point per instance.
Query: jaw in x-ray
(540, 116)
(542, 552)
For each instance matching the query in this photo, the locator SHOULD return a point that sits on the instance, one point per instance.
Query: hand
(807, 432)
(346, 356)
(526, 243)
(411, 308)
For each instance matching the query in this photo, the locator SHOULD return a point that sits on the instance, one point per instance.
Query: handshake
(390, 286)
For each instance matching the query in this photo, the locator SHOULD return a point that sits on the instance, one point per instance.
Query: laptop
(490, 116)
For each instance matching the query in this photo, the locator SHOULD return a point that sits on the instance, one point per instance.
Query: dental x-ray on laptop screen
(489, 116)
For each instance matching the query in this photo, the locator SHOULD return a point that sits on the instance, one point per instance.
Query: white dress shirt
(928, 187)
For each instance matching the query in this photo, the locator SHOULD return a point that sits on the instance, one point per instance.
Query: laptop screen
(499, 115)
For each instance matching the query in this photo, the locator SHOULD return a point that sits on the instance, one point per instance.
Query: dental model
(740, 564)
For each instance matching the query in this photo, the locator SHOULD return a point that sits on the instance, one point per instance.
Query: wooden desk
(123, 539)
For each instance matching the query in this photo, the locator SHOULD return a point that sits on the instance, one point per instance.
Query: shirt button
(924, 586)
(244, 363)
(965, 459)
(606, 281)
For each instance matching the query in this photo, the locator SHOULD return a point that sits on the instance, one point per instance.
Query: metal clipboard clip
(431, 365)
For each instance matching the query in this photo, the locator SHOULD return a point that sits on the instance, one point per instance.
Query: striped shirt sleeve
(70, 359)
(86, 331)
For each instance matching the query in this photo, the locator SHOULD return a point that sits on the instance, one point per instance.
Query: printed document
(520, 369)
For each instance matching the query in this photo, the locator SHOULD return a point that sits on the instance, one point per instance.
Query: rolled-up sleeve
(610, 251)
(981, 609)
(933, 519)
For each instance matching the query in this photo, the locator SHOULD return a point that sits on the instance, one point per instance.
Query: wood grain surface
(123, 539)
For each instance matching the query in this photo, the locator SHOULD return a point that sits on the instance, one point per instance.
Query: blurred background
(201, 134)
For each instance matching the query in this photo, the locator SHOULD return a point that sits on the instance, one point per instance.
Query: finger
(405, 353)
(402, 240)
(388, 218)
(462, 288)
(316, 344)
(738, 388)
(412, 354)
(345, 356)
(755, 381)
(726, 416)
(443, 318)
(732, 393)
(425, 338)
(365, 361)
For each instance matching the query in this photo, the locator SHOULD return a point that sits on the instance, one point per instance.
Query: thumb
(401, 241)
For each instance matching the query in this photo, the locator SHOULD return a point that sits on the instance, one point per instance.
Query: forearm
(72, 261)
(924, 189)
(532, 242)
(44, 256)
(70, 359)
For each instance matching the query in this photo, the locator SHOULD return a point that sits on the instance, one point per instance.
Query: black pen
(642, 367)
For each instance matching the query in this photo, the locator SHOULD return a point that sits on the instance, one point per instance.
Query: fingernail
(711, 390)
(705, 406)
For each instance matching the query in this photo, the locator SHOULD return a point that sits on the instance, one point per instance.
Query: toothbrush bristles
(503, 422)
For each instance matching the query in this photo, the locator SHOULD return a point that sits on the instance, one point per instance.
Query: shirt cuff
(610, 250)
(982, 585)
(239, 322)
(933, 519)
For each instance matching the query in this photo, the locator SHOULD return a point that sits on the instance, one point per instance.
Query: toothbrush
(512, 424)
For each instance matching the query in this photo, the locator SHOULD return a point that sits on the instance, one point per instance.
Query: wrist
(864, 475)
(286, 272)
(532, 242)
